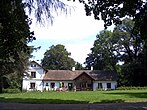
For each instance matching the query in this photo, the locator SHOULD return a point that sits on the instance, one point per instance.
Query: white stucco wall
(95, 84)
(57, 84)
(104, 84)
(41, 85)
(25, 85)
(39, 72)
(38, 84)
(37, 80)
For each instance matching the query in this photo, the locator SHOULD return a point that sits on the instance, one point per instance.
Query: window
(100, 86)
(89, 85)
(61, 84)
(52, 85)
(109, 85)
(33, 74)
(33, 65)
(46, 84)
(32, 85)
(70, 86)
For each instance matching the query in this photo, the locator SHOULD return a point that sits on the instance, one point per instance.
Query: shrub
(11, 91)
(131, 88)
(24, 90)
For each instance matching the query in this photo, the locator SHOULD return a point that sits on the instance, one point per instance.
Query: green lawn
(77, 97)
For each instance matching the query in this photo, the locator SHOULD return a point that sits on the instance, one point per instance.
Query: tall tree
(57, 58)
(14, 36)
(113, 11)
(120, 45)
(131, 47)
(103, 55)
(15, 32)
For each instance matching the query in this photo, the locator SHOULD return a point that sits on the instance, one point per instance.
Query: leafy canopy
(14, 37)
(45, 9)
(112, 11)
(103, 55)
(57, 58)
(121, 45)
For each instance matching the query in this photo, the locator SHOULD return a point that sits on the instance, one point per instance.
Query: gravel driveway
(106, 106)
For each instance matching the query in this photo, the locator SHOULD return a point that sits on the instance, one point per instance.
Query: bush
(11, 91)
(24, 90)
(131, 88)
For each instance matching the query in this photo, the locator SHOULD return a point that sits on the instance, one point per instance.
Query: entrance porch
(84, 82)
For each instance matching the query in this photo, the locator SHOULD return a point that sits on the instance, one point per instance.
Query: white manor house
(39, 79)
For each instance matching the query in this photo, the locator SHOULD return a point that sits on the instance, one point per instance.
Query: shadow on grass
(41, 101)
(131, 94)
(111, 101)
(53, 101)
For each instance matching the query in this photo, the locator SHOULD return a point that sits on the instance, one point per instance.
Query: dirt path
(107, 106)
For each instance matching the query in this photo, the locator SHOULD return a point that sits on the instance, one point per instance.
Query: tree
(14, 80)
(103, 55)
(78, 66)
(15, 33)
(120, 45)
(14, 36)
(130, 45)
(57, 58)
(112, 11)
(132, 54)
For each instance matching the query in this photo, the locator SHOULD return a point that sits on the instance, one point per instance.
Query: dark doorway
(109, 85)
(70, 86)
(32, 85)
(52, 85)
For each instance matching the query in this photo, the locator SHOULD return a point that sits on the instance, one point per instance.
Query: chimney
(73, 68)
(91, 67)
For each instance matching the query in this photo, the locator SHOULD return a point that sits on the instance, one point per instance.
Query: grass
(115, 96)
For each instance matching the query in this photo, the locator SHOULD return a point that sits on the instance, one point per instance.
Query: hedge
(131, 88)
(11, 91)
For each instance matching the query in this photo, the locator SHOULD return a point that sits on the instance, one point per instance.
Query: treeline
(120, 51)
(109, 49)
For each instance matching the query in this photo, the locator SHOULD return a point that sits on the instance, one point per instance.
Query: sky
(76, 31)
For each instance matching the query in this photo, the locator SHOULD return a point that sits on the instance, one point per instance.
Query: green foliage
(78, 66)
(57, 58)
(11, 90)
(14, 80)
(15, 33)
(112, 11)
(121, 45)
(14, 36)
(103, 55)
(131, 88)
(133, 74)
(131, 46)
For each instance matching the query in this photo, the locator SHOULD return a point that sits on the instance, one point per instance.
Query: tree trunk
(1, 85)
